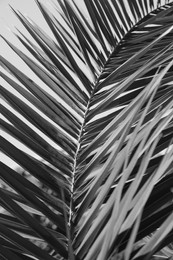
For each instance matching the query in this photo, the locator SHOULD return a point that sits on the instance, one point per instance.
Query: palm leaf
(100, 132)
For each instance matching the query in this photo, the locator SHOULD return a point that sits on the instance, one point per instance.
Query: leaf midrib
(95, 84)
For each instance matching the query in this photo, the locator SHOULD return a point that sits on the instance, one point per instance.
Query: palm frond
(99, 128)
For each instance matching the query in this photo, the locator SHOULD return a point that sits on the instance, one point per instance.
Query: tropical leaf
(94, 134)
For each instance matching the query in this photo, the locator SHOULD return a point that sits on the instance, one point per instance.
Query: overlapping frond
(100, 129)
